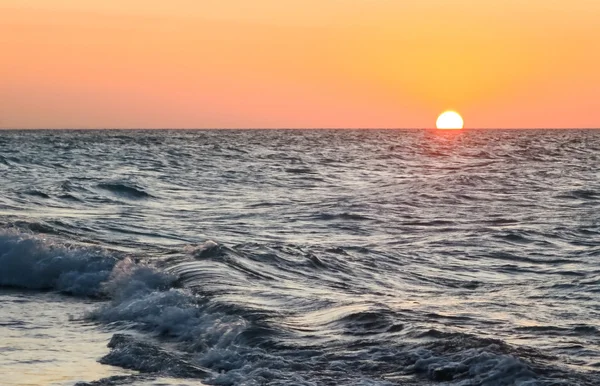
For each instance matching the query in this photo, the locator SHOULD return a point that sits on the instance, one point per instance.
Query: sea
(300, 257)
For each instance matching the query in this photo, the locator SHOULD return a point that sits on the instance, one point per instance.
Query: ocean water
(291, 257)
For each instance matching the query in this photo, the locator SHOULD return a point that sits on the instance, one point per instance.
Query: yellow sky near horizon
(327, 63)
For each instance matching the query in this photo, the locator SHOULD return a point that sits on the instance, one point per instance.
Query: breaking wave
(28, 262)
(176, 331)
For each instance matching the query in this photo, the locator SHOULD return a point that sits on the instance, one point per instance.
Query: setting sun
(450, 120)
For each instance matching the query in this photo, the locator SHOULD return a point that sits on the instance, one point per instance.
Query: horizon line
(295, 128)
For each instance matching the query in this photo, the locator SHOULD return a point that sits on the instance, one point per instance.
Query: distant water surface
(297, 257)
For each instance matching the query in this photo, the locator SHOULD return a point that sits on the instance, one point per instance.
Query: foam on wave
(223, 346)
(31, 263)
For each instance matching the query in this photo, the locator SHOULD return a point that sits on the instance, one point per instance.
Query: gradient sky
(298, 63)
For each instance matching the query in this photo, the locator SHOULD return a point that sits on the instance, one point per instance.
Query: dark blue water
(290, 257)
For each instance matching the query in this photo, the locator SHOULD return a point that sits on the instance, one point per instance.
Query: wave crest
(125, 190)
(26, 262)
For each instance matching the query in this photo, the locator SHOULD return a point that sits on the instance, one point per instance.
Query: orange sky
(298, 63)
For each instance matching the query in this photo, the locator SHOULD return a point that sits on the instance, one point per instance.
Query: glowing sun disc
(450, 120)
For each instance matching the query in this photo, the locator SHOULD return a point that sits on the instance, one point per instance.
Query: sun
(449, 120)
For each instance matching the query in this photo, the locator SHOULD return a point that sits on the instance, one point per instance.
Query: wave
(35, 226)
(69, 197)
(582, 194)
(37, 193)
(134, 353)
(342, 216)
(186, 334)
(460, 358)
(300, 171)
(124, 189)
(27, 262)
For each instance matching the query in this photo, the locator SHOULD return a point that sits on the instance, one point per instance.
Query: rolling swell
(124, 189)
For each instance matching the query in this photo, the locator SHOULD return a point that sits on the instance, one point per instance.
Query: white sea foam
(28, 262)
(218, 342)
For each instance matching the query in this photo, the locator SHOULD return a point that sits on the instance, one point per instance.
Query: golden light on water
(450, 120)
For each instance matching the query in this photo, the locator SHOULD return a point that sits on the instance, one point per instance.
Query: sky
(298, 63)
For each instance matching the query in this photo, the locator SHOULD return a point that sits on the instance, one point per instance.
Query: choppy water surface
(312, 257)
